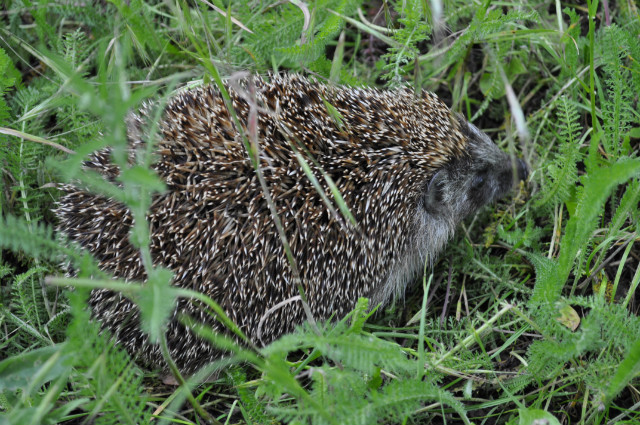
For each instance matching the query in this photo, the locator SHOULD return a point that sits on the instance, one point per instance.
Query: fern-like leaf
(563, 170)
(28, 299)
(617, 107)
(414, 30)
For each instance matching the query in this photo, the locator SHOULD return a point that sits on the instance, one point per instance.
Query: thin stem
(183, 384)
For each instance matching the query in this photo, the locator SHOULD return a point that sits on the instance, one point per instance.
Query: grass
(531, 312)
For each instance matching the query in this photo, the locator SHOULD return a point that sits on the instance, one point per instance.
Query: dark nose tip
(523, 171)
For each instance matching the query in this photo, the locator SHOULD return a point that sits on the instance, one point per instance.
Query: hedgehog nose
(523, 171)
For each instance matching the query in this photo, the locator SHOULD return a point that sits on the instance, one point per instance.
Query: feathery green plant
(413, 31)
(563, 170)
(617, 104)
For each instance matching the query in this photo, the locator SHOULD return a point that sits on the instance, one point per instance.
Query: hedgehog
(408, 169)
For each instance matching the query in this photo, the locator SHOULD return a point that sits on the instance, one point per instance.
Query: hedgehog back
(213, 227)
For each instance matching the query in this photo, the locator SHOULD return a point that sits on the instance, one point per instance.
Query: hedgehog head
(481, 176)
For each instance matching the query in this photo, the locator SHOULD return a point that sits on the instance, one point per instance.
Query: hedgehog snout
(523, 171)
(513, 172)
(506, 176)
(489, 164)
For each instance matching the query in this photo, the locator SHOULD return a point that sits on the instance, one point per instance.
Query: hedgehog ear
(432, 198)
(464, 125)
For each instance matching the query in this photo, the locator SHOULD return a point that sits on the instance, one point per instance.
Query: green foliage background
(531, 313)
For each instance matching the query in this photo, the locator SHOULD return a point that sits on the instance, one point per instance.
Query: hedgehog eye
(481, 177)
(477, 181)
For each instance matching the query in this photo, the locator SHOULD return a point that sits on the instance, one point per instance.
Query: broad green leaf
(536, 417)
(44, 364)
(627, 370)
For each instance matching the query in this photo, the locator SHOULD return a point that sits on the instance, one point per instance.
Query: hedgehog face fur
(408, 169)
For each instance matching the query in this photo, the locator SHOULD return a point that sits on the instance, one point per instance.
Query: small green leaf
(334, 114)
(157, 301)
(536, 417)
(487, 86)
(336, 65)
(376, 380)
(515, 67)
(360, 315)
(634, 132)
(568, 317)
(143, 177)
